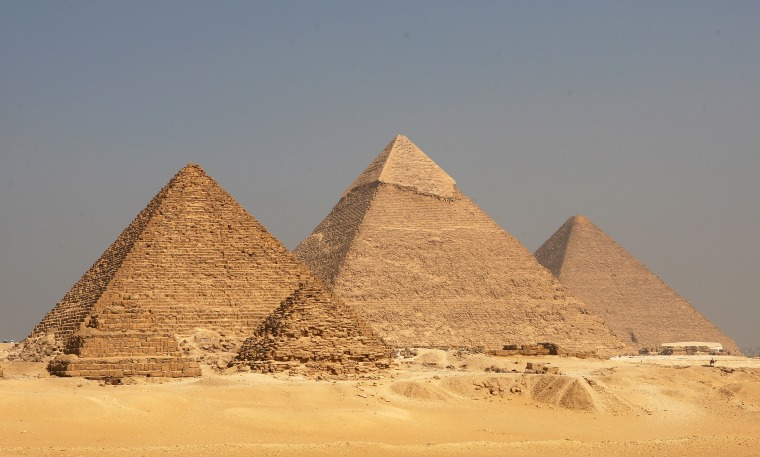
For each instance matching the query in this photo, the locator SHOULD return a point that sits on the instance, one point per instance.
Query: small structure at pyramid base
(688, 348)
(107, 347)
(315, 335)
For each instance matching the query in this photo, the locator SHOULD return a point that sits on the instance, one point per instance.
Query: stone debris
(192, 260)
(213, 349)
(315, 335)
(540, 368)
(639, 307)
(426, 267)
(528, 349)
(35, 348)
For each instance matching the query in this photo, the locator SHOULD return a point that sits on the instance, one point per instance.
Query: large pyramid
(314, 334)
(425, 266)
(192, 259)
(639, 307)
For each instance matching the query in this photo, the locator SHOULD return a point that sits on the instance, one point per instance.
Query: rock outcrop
(639, 307)
(425, 266)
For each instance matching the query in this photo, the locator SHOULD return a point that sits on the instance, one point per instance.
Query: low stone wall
(122, 345)
(168, 367)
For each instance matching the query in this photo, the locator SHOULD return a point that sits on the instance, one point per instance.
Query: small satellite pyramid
(639, 307)
(315, 334)
(425, 266)
(192, 259)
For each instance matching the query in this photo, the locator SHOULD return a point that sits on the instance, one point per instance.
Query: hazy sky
(643, 116)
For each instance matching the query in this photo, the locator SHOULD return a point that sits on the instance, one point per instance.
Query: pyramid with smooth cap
(314, 334)
(426, 267)
(639, 307)
(192, 259)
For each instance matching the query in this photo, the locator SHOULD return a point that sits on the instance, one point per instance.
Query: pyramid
(118, 341)
(314, 334)
(639, 307)
(192, 259)
(426, 267)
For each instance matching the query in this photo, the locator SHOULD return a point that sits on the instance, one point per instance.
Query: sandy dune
(435, 403)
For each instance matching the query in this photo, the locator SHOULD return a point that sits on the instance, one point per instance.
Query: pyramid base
(94, 344)
(99, 368)
(325, 370)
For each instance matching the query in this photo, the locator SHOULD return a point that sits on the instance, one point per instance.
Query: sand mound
(577, 393)
(431, 358)
(18, 369)
(419, 390)
(565, 391)
(214, 381)
(479, 387)
(745, 391)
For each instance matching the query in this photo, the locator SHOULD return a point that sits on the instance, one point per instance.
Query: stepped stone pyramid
(119, 341)
(192, 259)
(639, 307)
(315, 334)
(425, 266)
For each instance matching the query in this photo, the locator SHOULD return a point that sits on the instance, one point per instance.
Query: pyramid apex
(579, 219)
(190, 171)
(193, 166)
(403, 164)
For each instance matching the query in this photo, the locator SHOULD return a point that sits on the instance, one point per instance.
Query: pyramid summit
(403, 164)
(425, 266)
(192, 259)
(639, 307)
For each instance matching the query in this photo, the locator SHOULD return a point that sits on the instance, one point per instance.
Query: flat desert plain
(434, 403)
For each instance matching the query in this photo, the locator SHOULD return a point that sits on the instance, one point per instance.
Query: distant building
(691, 348)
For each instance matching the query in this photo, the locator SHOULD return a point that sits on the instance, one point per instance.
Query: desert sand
(433, 403)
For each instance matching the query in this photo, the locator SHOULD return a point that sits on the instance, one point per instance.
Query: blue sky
(641, 115)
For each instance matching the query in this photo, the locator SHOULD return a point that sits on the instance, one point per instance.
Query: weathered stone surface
(640, 308)
(192, 259)
(120, 341)
(167, 367)
(313, 333)
(425, 266)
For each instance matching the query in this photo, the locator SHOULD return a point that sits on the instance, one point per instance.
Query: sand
(435, 404)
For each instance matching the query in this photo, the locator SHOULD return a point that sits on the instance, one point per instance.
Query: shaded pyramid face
(639, 307)
(192, 259)
(313, 333)
(425, 266)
